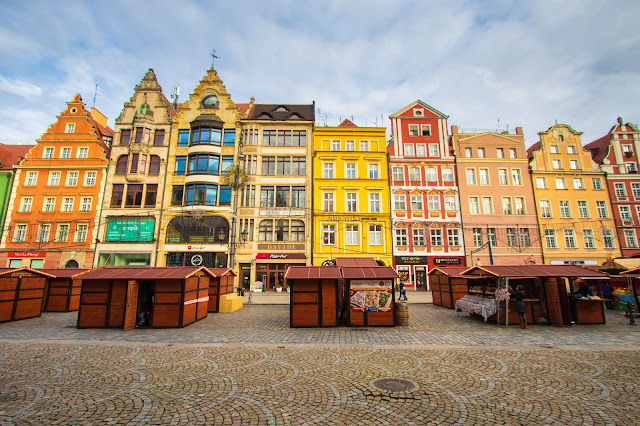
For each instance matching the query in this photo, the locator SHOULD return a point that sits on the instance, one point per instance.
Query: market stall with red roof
(22, 293)
(315, 294)
(62, 290)
(447, 285)
(369, 291)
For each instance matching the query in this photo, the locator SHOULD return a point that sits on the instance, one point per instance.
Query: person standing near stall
(607, 294)
(403, 292)
(518, 296)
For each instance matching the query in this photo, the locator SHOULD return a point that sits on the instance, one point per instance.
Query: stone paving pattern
(249, 367)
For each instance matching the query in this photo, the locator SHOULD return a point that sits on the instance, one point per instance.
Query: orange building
(54, 208)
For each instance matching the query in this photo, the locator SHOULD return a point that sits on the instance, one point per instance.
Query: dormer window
(417, 113)
(264, 115)
(295, 117)
(281, 109)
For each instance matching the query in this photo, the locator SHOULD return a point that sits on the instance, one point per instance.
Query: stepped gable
(149, 83)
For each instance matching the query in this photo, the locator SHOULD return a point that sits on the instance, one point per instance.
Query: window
(121, 165)
(477, 237)
(43, 233)
(573, 164)
(597, 184)
(85, 204)
(550, 238)
(72, 178)
(158, 137)
(20, 233)
(414, 174)
(515, 177)
(473, 205)
(471, 176)
(503, 177)
(267, 196)
(601, 207)
(467, 153)
(206, 136)
(554, 149)
(571, 149)
(32, 178)
(453, 237)
(335, 145)
(65, 153)
(560, 183)
(626, 148)
(419, 237)
(299, 138)
(25, 204)
(265, 230)
(565, 209)
(134, 196)
(631, 168)
(487, 205)
(204, 164)
(630, 238)
(250, 136)
(481, 153)
(620, 189)
(557, 164)
(625, 212)
(117, 195)
(500, 153)
(49, 205)
(525, 239)
(512, 239)
(450, 203)
(512, 153)
(54, 179)
(350, 171)
(491, 236)
(328, 234)
(176, 195)
(413, 130)
(433, 202)
(297, 196)
(506, 205)
(48, 153)
(327, 202)
(409, 150)
(431, 174)
(352, 202)
(352, 234)
(416, 202)
(421, 150)
(373, 171)
(350, 145)
(569, 239)
(327, 170)
(83, 152)
(181, 165)
(364, 146)
(434, 150)
(635, 189)
(587, 237)
(583, 210)
(374, 203)
(269, 138)
(200, 194)
(67, 205)
(425, 129)
(63, 233)
(545, 208)
(282, 230)
(183, 137)
(607, 238)
(436, 237)
(298, 166)
(81, 233)
(447, 174)
(578, 183)
(375, 235)
(70, 128)
(125, 137)
(541, 183)
(90, 178)
(397, 174)
(520, 205)
(283, 196)
(484, 176)
(399, 202)
(402, 238)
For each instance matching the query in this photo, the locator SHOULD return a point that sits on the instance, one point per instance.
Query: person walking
(518, 296)
(403, 292)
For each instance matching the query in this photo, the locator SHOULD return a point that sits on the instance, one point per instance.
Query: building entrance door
(421, 277)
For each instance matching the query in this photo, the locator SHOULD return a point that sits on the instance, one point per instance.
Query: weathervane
(213, 58)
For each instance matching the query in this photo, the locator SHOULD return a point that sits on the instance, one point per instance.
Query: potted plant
(288, 289)
(279, 288)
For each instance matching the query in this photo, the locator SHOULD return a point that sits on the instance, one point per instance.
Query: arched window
(121, 165)
(297, 230)
(154, 165)
(71, 264)
(265, 231)
(187, 229)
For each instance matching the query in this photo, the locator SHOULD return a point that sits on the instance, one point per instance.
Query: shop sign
(130, 230)
(412, 260)
(276, 246)
(26, 254)
(280, 256)
(573, 262)
(281, 212)
(195, 247)
(447, 261)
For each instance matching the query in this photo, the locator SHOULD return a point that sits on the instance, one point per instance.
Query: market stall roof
(313, 272)
(532, 271)
(219, 272)
(377, 272)
(141, 272)
(452, 271)
(356, 261)
(631, 271)
(623, 263)
(4, 271)
(63, 272)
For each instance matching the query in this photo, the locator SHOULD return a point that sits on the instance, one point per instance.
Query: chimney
(519, 131)
(454, 130)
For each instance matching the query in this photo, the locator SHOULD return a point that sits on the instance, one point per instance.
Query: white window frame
(409, 150)
(62, 233)
(550, 238)
(65, 153)
(375, 234)
(90, 178)
(351, 202)
(374, 202)
(434, 150)
(54, 179)
(417, 203)
(48, 152)
(350, 145)
(32, 179)
(570, 238)
(67, 205)
(433, 203)
(83, 152)
(400, 202)
(630, 238)
(70, 128)
(352, 235)
(72, 179)
(397, 173)
(414, 130)
(425, 129)
(49, 205)
(20, 233)
(487, 204)
(588, 238)
(516, 177)
(374, 171)
(419, 237)
(436, 237)
(26, 204)
(541, 180)
(85, 204)
(474, 205)
(327, 170)
(351, 171)
(421, 150)
(364, 146)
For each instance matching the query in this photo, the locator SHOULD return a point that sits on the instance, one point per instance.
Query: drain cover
(394, 385)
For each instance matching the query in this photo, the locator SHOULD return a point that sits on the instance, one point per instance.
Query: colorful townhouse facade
(425, 208)
(351, 216)
(496, 197)
(617, 155)
(10, 155)
(131, 210)
(574, 212)
(53, 213)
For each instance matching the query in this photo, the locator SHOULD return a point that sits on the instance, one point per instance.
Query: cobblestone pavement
(249, 367)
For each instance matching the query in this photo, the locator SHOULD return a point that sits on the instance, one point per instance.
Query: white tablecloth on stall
(477, 305)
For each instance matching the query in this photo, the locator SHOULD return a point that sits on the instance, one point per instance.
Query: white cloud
(19, 87)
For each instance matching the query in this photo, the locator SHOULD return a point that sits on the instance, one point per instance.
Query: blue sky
(525, 63)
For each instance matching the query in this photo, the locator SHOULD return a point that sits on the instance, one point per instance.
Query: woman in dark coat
(518, 296)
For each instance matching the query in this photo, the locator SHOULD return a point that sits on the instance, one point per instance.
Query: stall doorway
(144, 314)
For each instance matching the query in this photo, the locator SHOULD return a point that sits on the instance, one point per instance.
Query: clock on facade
(210, 100)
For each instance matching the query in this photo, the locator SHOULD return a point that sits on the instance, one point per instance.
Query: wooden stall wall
(94, 304)
(8, 290)
(195, 302)
(589, 311)
(117, 303)
(63, 295)
(21, 295)
(439, 283)
(217, 287)
(226, 284)
(305, 303)
(330, 302)
(167, 306)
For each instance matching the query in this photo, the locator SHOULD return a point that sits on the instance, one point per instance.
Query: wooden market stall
(127, 297)
(62, 290)
(220, 283)
(550, 292)
(448, 286)
(22, 293)
(370, 295)
(315, 296)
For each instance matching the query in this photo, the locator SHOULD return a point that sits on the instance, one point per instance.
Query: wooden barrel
(402, 313)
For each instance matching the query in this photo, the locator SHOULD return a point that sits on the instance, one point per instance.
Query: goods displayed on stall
(477, 305)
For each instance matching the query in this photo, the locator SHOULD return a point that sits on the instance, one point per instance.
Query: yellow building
(351, 194)
(574, 213)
